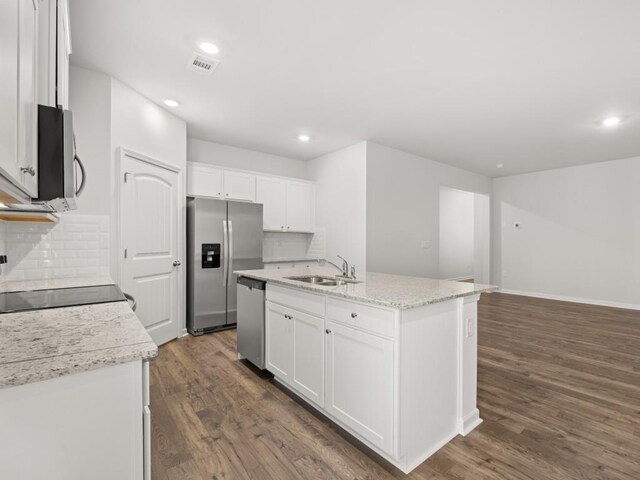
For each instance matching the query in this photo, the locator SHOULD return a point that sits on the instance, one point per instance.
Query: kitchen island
(391, 359)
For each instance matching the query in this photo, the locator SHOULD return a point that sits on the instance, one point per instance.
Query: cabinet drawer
(301, 301)
(366, 317)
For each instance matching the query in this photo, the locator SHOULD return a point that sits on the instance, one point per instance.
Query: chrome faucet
(345, 266)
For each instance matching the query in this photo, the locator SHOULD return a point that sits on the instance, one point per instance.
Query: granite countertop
(43, 344)
(395, 291)
(53, 283)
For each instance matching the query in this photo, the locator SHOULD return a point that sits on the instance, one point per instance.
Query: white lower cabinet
(279, 345)
(295, 350)
(360, 382)
(308, 356)
(89, 425)
(402, 381)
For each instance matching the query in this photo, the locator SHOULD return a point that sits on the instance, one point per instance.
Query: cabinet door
(308, 356)
(239, 186)
(272, 193)
(279, 341)
(9, 21)
(204, 181)
(27, 97)
(299, 207)
(360, 383)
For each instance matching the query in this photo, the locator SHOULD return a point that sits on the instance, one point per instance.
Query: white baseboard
(470, 422)
(562, 298)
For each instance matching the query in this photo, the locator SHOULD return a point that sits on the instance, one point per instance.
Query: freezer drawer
(251, 324)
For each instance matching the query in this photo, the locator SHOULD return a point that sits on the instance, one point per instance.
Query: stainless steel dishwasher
(251, 294)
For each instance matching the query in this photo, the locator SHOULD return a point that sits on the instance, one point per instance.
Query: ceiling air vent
(202, 64)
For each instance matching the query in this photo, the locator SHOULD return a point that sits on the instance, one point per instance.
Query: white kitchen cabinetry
(271, 192)
(401, 381)
(360, 382)
(295, 342)
(18, 83)
(204, 181)
(208, 181)
(54, 49)
(93, 424)
(239, 186)
(288, 204)
(279, 346)
(308, 356)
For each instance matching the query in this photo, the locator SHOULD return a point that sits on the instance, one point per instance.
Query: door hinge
(125, 253)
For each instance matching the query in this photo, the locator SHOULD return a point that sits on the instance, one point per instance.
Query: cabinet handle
(29, 170)
(354, 315)
(327, 331)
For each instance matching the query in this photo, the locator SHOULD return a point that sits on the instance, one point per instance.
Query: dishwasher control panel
(210, 255)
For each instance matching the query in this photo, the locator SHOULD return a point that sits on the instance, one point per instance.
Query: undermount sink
(320, 280)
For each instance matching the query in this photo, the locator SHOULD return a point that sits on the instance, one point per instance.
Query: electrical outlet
(425, 244)
(470, 327)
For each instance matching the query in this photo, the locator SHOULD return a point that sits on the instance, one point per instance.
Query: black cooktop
(57, 298)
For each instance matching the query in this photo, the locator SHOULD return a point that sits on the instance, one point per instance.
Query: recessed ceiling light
(303, 137)
(500, 165)
(171, 103)
(207, 47)
(610, 122)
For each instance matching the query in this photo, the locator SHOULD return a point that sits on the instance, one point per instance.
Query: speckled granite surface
(394, 291)
(44, 344)
(53, 283)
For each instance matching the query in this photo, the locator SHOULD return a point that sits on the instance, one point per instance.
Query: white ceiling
(465, 82)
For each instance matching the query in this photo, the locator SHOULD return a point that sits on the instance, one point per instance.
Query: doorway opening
(464, 235)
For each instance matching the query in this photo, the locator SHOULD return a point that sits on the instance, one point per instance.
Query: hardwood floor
(558, 389)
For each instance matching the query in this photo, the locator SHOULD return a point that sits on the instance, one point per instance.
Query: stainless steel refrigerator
(222, 236)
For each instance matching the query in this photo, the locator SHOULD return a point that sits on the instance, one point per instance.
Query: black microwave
(57, 160)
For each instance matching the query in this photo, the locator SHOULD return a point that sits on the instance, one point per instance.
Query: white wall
(456, 239)
(579, 234)
(403, 193)
(341, 203)
(243, 159)
(90, 102)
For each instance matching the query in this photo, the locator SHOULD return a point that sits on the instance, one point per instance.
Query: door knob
(30, 170)
(327, 331)
(177, 263)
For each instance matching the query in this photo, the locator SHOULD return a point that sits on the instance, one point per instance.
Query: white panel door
(151, 229)
(239, 186)
(272, 194)
(279, 341)
(299, 207)
(204, 181)
(9, 21)
(308, 356)
(360, 383)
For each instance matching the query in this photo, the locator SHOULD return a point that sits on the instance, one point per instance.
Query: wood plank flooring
(558, 389)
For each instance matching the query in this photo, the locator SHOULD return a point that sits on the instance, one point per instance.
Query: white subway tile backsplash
(77, 245)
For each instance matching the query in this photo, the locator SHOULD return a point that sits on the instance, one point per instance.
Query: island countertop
(43, 344)
(394, 291)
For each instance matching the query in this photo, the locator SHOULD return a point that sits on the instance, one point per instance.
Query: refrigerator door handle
(230, 251)
(225, 252)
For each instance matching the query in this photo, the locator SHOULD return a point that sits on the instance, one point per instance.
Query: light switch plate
(425, 244)
(470, 328)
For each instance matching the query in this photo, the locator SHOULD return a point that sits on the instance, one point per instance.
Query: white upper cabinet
(239, 186)
(27, 97)
(300, 207)
(288, 204)
(204, 181)
(18, 84)
(208, 181)
(54, 48)
(9, 15)
(271, 192)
